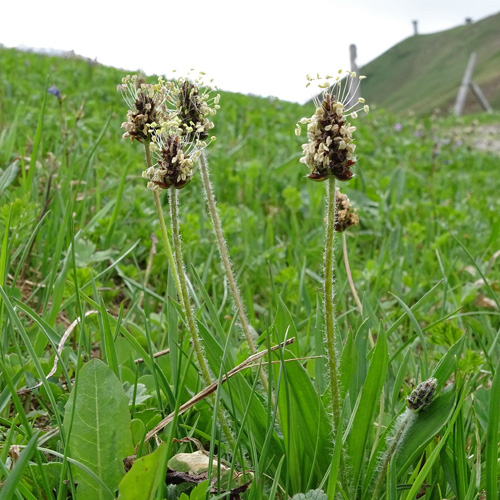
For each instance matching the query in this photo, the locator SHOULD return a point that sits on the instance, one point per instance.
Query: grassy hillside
(424, 72)
(81, 239)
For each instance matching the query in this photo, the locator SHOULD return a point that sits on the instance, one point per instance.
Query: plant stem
(164, 233)
(329, 293)
(221, 245)
(202, 363)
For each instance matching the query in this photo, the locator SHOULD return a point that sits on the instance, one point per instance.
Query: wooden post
(462, 92)
(481, 97)
(464, 87)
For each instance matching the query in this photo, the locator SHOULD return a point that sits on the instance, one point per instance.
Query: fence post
(462, 92)
(481, 97)
(466, 83)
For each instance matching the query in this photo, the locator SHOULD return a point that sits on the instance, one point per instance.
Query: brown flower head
(146, 104)
(421, 396)
(346, 216)
(330, 147)
(176, 163)
(193, 106)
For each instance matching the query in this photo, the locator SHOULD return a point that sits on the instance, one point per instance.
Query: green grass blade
(491, 452)
(10, 485)
(36, 143)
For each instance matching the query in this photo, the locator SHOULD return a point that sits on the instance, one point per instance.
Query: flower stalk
(329, 155)
(221, 245)
(188, 311)
(329, 296)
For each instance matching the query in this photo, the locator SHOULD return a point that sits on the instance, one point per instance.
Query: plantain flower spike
(176, 157)
(421, 396)
(193, 106)
(146, 103)
(345, 215)
(330, 147)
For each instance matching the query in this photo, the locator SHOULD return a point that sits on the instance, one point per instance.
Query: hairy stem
(221, 245)
(329, 294)
(164, 233)
(188, 311)
(405, 422)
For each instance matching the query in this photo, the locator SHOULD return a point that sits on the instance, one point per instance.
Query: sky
(263, 47)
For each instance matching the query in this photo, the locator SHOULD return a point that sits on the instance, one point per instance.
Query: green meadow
(86, 284)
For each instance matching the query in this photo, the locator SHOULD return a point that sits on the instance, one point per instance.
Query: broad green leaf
(304, 422)
(348, 364)
(200, 491)
(97, 424)
(364, 418)
(143, 479)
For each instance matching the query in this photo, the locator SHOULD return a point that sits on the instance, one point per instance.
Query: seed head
(146, 104)
(346, 216)
(193, 106)
(330, 147)
(176, 163)
(421, 396)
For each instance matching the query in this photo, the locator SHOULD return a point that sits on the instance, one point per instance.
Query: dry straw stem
(213, 387)
(349, 275)
(351, 284)
(59, 350)
(226, 262)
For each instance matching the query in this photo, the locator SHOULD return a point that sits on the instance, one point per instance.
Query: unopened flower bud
(421, 396)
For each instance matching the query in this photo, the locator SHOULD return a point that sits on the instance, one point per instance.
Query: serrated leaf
(141, 393)
(448, 363)
(100, 435)
(445, 334)
(471, 362)
(143, 479)
(311, 495)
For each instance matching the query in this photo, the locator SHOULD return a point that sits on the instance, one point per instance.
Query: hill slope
(425, 71)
